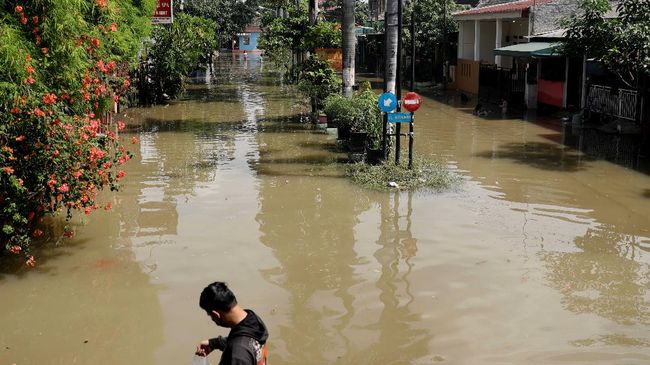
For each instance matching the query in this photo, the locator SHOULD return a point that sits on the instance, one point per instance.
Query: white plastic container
(200, 360)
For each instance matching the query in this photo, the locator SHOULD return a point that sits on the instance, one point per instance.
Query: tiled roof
(252, 29)
(510, 7)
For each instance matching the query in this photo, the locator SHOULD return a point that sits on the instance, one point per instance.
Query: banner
(164, 13)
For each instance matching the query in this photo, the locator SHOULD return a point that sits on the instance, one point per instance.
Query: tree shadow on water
(544, 156)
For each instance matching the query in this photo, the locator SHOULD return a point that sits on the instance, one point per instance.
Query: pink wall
(550, 92)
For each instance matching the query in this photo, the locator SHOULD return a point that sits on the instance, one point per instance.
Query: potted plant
(318, 80)
(341, 113)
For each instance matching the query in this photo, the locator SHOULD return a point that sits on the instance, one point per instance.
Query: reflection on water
(540, 258)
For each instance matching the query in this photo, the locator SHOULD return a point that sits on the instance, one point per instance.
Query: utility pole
(413, 47)
(444, 45)
(398, 80)
(384, 140)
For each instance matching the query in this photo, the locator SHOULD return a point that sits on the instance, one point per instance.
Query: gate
(497, 83)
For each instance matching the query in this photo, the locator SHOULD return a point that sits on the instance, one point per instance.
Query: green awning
(530, 49)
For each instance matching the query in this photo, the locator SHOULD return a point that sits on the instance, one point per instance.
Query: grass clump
(425, 175)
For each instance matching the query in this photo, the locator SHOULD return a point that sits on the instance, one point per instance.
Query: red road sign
(411, 102)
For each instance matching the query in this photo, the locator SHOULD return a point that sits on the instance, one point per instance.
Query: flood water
(540, 257)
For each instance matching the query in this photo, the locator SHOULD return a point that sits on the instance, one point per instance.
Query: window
(246, 40)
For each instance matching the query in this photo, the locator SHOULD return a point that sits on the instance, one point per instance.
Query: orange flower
(63, 188)
(49, 99)
(23, 19)
(35, 20)
(8, 170)
(20, 138)
(45, 50)
(29, 69)
(39, 113)
(15, 249)
(95, 42)
(108, 206)
(68, 234)
(19, 9)
(127, 83)
(121, 174)
(113, 27)
(120, 125)
(15, 110)
(101, 3)
(30, 80)
(134, 140)
(37, 233)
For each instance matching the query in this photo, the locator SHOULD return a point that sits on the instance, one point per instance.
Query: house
(507, 50)
(247, 40)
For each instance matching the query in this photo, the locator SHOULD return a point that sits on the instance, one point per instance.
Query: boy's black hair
(217, 296)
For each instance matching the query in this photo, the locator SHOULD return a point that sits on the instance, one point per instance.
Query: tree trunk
(313, 11)
(349, 40)
(391, 45)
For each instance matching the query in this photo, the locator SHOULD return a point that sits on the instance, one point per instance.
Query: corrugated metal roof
(509, 7)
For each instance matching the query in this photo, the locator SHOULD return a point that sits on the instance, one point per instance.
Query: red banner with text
(164, 13)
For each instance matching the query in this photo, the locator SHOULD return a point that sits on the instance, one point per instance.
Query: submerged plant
(425, 175)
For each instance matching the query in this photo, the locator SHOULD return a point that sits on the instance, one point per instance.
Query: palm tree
(313, 11)
(349, 40)
(391, 44)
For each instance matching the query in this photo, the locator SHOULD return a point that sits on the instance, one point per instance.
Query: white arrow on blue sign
(399, 117)
(387, 102)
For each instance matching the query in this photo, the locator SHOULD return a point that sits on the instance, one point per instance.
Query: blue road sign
(387, 102)
(399, 118)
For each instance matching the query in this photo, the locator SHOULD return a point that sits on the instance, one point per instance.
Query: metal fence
(496, 83)
(621, 103)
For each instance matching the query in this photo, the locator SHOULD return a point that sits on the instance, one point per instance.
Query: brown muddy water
(540, 257)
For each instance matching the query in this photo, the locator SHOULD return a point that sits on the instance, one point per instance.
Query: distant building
(248, 39)
(508, 50)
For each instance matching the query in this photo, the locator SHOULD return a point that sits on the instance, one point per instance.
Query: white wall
(467, 43)
(488, 40)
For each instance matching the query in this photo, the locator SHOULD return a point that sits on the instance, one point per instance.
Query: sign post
(411, 103)
(164, 13)
(388, 103)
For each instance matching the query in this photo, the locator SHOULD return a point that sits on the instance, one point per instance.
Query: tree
(176, 50)
(349, 40)
(622, 45)
(433, 20)
(333, 11)
(65, 64)
(391, 44)
(231, 16)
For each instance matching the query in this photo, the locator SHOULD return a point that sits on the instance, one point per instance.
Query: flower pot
(344, 132)
(358, 141)
(374, 156)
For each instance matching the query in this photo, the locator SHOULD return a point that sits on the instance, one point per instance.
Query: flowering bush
(66, 66)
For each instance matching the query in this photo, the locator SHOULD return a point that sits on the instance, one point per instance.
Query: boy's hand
(203, 348)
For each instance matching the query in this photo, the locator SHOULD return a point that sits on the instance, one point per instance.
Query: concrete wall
(467, 43)
(488, 40)
(547, 17)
